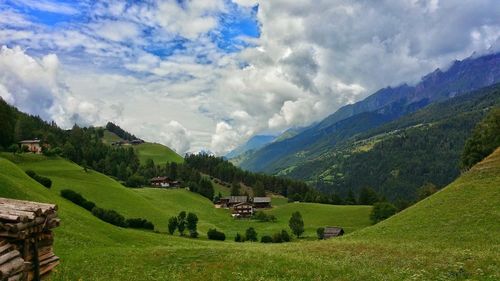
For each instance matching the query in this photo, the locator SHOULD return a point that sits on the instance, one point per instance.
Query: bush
(239, 238)
(88, 205)
(251, 234)
(140, 224)
(42, 180)
(277, 237)
(285, 236)
(110, 216)
(320, 232)
(263, 217)
(382, 211)
(135, 181)
(213, 234)
(172, 225)
(266, 239)
(13, 148)
(77, 198)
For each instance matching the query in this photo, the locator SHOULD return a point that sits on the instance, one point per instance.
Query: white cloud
(48, 6)
(310, 59)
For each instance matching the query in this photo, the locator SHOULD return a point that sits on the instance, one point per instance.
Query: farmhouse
(230, 201)
(242, 210)
(163, 182)
(32, 145)
(262, 202)
(333, 231)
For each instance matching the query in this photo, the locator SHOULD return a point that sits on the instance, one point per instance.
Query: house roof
(160, 179)
(262, 199)
(30, 141)
(236, 199)
(243, 203)
(333, 231)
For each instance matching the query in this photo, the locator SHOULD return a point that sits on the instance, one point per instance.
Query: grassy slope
(414, 245)
(159, 153)
(158, 205)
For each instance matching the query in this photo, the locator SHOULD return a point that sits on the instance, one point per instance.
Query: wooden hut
(242, 210)
(261, 202)
(26, 239)
(333, 231)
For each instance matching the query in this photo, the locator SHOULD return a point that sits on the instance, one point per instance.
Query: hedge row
(109, 216)
(42, 180)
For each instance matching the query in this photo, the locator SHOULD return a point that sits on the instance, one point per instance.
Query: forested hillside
(421, 148)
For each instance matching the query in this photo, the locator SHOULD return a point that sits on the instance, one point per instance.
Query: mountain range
(310, 154)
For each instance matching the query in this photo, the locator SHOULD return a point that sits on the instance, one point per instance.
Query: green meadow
(452, 235)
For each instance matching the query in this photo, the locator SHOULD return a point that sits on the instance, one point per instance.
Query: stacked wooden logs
(25, 230)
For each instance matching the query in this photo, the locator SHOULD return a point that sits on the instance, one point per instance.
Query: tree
(382, 211)
(320, 232)
(350, 200)
(426, 190)
(258, 189)
(484, 140)
(235, 189)
(285, 236)
(213, 234)
(251, 234)
(181, 222)
(173, 171)
(172, 225)
(239, 238)
(191, 223)
(296, 224)
(367, 196)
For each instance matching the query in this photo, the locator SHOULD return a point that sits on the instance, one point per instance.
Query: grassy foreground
(452, 235)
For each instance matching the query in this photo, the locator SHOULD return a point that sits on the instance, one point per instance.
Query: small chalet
(242, 210)
(333, 231)
(230, 201)
(163, 182)
(32, 145)
(262, 202)
(136, 142)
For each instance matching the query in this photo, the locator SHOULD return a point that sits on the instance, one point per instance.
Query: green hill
(452, 235)
(159, 153)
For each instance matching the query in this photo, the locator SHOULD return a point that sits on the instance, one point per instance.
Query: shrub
(191, 225)
(213, 234)
(74, 197)
(382, 211)
(251, 234)
(320, 232)
(110, 216)
(135, 181)
(13, 148)
(172, 225)
(140, 223)
(263, 217)
(88, 205)
(239, 238)
(285, 236)
(277, 237)
(42, 180)
(266, 239)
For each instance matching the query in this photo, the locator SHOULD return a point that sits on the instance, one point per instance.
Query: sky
(209, 74)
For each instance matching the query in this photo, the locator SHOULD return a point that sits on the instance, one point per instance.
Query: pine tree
(296, 224)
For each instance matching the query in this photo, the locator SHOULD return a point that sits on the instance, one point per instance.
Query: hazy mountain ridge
(383, 106)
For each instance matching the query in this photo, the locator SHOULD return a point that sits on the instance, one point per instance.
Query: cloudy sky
(209, 74)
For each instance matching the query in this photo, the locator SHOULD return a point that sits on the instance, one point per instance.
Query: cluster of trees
(184, 222)
(40, 179)
(112, 127)
(484, 140)
(214, 234)
(382, 211)
(252, 236)
(263, 217)
(107, 215)
(224, 170)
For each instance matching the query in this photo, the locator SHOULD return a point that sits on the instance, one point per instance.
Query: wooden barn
(164, 182)
(230, 201)
(261, 202)
(242, 210)
(333, 231)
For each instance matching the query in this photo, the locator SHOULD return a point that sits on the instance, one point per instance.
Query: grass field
(452, 235)
(159, 153)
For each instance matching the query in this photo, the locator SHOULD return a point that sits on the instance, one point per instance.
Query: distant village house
(164, 182)
(228, 202)
(242, 210)
(262, 202)
(333, 231)
(32, 145)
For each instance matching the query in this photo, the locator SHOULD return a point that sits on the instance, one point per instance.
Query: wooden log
(18, 277)
(12, 266)
(11, 218)
(26, 208)
(9, 256)
(5, 248)
(3, 242)
(20, 214)
(46, 269)
(28, 203)
(19, 235)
